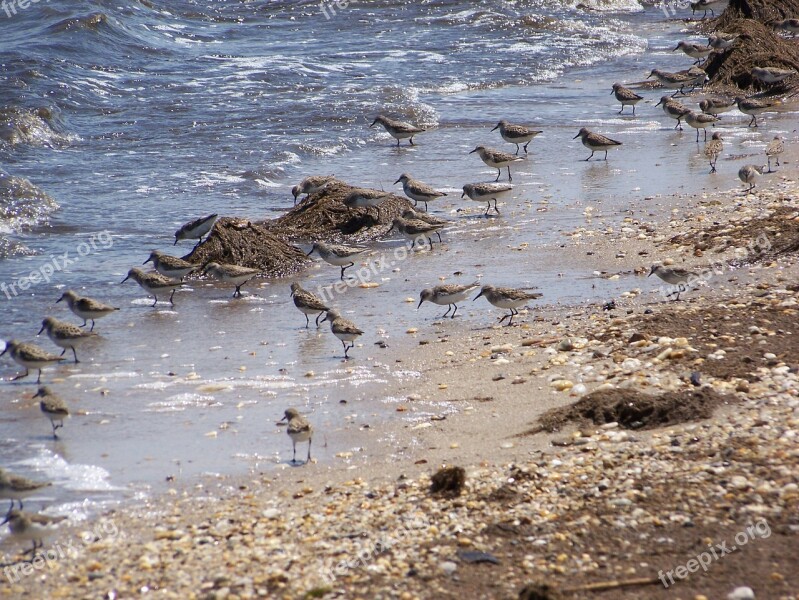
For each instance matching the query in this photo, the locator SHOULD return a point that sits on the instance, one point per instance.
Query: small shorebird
(411, 215)
(418, 191)
(626, 96)
(53, 407)
(596, 142)
(705, 5)
(447, 295)
(86, 308)
(397, 129)
(66, 335)
(486, 192)
(674, 109)
(308, 303)
(235, 274)
(771, 74)
(30, 357)
(673, 81)
(496, 159)
(339, 256)
(753, 107)
(713, 150)
(716, 106)
(748, 174)
(15, 487)
(412, 230)
(516, 134)
(195, 230)
(310, 185)
(788, 25)
(171, 266)
(153, 283)
(721, 41)
(31, 527)
(505, 297)
(343, 329)
(695, 51)
(673, 276)
(773, 150)
(365, 198)
(698, 121)
(299, 430)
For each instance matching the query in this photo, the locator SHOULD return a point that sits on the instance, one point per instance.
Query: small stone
(741, 593)
(448, 567)
(566, 345)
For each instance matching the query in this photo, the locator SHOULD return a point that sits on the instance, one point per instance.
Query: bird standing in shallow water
(53, 407)
(299, 430)
(713, 149)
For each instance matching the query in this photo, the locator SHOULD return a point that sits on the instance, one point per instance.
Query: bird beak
(390, 229)
(478, 295)
(397, 181)
(677, 48)
(124, 280)
(310, 252)
(148, 260)
(463, 194)
(659, 102)
(325, 319)
(611, 91)
(40, 331)
(59, 300)
(4, 350)
(373, 123)
(420, 304)
(475, 150)
(495, 128)
(576, 136)
(176, 241)
(652, 270)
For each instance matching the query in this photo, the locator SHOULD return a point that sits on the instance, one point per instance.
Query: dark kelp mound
(632, 409)
(241, 242)
(324, 217)
(757, 46)
(765, 11)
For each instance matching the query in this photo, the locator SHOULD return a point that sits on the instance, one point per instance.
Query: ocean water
(120, 123)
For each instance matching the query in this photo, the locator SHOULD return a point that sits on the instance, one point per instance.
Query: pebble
(448, 567)
(741, 593)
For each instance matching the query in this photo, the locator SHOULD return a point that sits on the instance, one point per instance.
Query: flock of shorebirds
(415, 226)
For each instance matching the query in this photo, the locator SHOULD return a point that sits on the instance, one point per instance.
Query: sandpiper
(31, 527)
(748, 174)
(596, 142)
(788, 25)
(496, 159)
(410, 215)
(753, 107)
(447, 295)
(154, 283)
(195, 230)
(30, 357)
(721, 41)
(413, 230)
(673, 81)
(713, 150)
(626, 96)
(365, 198)
(486, 192)
(86, 308)
(171, 266)
(343, 329)
(308, 303)
(53, 407)
(696, 51)
(771, 74)
(235, 274)
(310, 185)
(418, 191)
(397, 129)
(66, 335)
(15, 487)
(773, 150)
(505, 297)
(716, 106)
(674, 276)
(706, 5)
(674, 109)
(299, 430)
(698, 121)
(516, 134)
(339, 256)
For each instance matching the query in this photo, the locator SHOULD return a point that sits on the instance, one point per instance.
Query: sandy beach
(682, 447)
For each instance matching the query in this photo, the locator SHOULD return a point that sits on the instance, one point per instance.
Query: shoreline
(569, 508)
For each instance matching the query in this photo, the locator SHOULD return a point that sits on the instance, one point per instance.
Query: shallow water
(164, 114)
